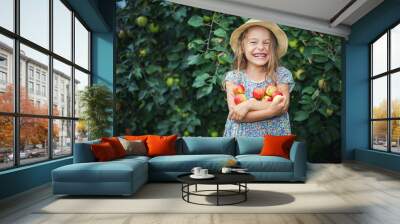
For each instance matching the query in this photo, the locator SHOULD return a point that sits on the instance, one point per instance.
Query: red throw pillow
(277, 145)
(161, 145)
(116, 145)
(103, 151)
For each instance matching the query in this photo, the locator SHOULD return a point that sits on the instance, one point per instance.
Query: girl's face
(257, 45)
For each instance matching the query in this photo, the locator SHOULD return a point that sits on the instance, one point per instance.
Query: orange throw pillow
(116, 145)
(161, 145)
(277, 145)
(103, 151)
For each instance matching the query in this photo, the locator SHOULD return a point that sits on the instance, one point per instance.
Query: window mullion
(389, 106)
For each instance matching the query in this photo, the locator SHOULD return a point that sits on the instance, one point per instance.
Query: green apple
(154, 28)
(186, 133)
(299, 74)
(293, 43)
(322, 84)
(141, 21)
(206, 19)
(214, 134)
(121, 34)
(329, 112)
(142, 52)
(169, 81)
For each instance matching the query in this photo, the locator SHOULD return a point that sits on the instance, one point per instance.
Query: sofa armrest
(83, 152)
(298, 155)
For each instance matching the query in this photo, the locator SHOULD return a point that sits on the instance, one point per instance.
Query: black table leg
(217, 194)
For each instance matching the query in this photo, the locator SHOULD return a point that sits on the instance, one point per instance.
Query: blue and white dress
(279, 125)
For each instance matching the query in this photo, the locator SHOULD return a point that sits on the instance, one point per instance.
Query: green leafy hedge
(172, 60)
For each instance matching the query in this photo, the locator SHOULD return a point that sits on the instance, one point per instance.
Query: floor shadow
(255, 198)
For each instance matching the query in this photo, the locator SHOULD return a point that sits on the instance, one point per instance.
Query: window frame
(16, 114)
(388, 74)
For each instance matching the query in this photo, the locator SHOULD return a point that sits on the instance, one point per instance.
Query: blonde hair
(240, 61)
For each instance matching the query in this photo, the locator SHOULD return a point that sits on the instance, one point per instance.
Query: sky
(35, 27)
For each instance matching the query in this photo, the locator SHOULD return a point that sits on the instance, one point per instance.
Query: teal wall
(355, 125)
(99, 16)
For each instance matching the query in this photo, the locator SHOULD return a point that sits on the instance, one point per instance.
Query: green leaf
(325, 99)
(204, 91)
(315, 94)
(152, 69)
(194, 59)
(220, 33)
(308, 90)
(301, 115)
(195, 21)
(200, 80)
(173, 57)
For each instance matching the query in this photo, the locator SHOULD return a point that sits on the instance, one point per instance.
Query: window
(385, 96)
(30, 87)
(47, 73)
(3, 78)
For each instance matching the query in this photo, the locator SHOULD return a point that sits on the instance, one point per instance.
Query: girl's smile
(257, 45)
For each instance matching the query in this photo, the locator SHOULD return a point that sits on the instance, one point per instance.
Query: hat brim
(273, 27)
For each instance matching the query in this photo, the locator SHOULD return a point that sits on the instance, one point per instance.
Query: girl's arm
(267, 111)
(229, 86)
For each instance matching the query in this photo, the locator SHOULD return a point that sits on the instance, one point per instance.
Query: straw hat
(275, 29)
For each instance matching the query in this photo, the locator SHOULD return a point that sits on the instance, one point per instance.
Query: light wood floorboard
(376, 189)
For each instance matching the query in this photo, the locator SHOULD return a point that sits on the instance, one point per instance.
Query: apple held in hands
(239, 98)
(267, 98)
(239, 89)
(270, 89)
(258, 93)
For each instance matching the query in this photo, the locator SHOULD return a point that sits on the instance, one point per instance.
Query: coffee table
(238, 179)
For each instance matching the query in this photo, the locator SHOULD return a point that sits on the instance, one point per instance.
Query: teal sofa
(125, 176)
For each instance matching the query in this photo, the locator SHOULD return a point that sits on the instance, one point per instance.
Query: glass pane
(6, 74)
(395, 47)
(6, 142)
(33, 139)
(35, 21)
(62, 89)
(62, 29)
(395, 94)
(395, 136)
(81, 45)
(62, 138)
(34, 97)
(379, 55)
(379, 98)
(81, 81)
(81, 131)
(379, 135)
(7, 14)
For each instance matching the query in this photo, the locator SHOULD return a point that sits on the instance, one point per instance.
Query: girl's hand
(238, 112)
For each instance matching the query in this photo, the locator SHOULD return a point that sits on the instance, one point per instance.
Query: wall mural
(173, 60)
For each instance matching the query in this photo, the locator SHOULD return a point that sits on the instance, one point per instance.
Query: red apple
(258, 93)
(277, 98)
(276, 93)
(239, 98)
(239, 89)
(267, 98)
(270, 89)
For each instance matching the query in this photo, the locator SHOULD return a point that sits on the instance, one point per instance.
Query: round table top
(220, 178)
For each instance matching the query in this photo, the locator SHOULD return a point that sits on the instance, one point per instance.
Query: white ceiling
(316, 15)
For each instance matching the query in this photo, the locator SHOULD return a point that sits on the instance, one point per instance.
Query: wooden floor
(377, 188)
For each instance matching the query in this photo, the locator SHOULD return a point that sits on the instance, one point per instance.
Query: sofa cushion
(257, 163)
(111, 171)
(277, 145)
(116, 145)
(103, 151)
(207, 145)
(83, 152)
(249, 145)
(185, 163)
(161, 145)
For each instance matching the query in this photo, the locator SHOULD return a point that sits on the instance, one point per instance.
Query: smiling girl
(258, 46)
